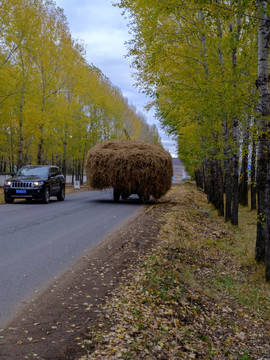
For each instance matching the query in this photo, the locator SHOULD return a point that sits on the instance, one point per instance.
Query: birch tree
(194, 59)
(263, 170)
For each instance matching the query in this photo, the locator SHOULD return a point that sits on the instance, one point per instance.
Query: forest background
(205, 63)
(54, 106)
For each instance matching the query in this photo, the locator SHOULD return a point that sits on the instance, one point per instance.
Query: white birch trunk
(263, 171)
(263, 60)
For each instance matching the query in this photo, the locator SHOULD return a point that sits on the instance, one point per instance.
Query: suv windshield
(33, 171)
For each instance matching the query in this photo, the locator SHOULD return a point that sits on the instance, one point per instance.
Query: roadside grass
(199, 295)
(247, 283)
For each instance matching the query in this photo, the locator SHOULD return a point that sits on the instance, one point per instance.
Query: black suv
(37, 183)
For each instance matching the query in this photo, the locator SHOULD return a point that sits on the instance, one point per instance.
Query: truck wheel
(116, 195)
(144, 197)
(125, 195)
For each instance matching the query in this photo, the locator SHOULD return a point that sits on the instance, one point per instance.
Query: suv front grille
(21, 184)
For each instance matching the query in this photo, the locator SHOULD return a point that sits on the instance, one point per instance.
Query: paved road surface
(39, 241)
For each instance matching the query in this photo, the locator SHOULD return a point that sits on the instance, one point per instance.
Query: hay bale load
(129, 167)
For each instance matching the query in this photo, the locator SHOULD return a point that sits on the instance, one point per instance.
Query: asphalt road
(38, 241)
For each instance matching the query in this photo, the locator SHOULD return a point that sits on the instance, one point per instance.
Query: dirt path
(50, 325)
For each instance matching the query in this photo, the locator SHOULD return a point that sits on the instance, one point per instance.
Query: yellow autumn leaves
(53, 105)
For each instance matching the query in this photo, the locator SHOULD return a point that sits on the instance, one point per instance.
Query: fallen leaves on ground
(196, 297)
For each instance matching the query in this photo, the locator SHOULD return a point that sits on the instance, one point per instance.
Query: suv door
(54, 175)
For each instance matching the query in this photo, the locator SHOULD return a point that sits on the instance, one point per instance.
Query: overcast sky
(103, 30)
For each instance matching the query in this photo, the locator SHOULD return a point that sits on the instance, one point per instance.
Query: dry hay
(135, 166)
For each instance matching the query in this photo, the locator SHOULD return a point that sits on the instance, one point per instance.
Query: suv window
(54, 170)
(33, 171)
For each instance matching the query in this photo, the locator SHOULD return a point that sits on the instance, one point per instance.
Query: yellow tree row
(53, 105)
(206, 65)
(197, 59)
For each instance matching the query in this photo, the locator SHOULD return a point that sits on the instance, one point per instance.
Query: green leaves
(183, 53)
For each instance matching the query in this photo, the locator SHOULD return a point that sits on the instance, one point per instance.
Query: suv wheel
(8, 200)
(46, 196)
(61, 194)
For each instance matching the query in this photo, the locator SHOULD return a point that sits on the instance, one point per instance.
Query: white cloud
(103, 43)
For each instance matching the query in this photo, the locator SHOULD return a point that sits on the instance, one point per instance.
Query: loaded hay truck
(129, 167)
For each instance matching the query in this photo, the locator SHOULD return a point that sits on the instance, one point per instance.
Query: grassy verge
(1, 194)
(199, 296)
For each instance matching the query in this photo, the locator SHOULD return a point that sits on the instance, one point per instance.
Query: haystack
(129, 165)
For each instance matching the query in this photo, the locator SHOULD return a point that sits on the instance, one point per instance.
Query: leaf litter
(189, 289)
(192, 298)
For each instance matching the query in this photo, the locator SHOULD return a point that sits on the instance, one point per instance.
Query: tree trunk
(218, 189)
(213, 174)
(207, 179)
(253, 185)
(235, 172)
(20, 145)
(40, 151)
(235, 189)
(235, 137)
(261, 180)
(267, 216)
(227, 173)
(212, 183)
(199, 178)
(263, 222)
(243, 185)
(64, 163)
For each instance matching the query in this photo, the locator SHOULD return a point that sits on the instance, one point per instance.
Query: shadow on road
(131, 201)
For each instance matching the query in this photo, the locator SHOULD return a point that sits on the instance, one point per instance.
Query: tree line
(54, 106)
(205, 64)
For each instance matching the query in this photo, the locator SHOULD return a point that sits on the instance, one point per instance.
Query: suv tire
(46, 196)
(61, 194)
(8, 200)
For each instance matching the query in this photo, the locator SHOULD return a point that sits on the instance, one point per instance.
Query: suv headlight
(7, 183)
(38, 183)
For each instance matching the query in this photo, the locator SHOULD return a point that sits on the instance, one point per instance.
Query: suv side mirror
(52, 175)
(13, 174)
